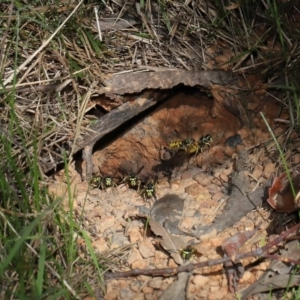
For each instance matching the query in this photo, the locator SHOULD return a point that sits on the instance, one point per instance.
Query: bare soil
(112, 216)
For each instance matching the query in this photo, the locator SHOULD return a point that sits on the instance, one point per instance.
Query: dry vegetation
(50, 75)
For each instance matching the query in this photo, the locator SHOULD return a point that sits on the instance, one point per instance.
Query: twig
(191, 267)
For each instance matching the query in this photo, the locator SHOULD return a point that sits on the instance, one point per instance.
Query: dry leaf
(281, 196)
(176, 290)
(170, 243)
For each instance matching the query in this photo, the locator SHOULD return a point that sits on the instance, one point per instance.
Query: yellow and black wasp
(192, 147)
(182, 145)
(95, 182)
(102, 182)
(149, 189)
(188, 252)
(205, 141)
(107, 182)
(130, 172)
(176, 144)
(133, 181)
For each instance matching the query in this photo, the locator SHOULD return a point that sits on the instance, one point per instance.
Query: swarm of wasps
(146, 188)
(191, 146)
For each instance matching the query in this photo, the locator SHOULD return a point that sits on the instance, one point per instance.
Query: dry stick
(28, 60)
(191, 267)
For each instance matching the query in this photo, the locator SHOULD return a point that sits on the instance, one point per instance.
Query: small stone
(203, 196)
(269, 170)
(217, 294)
(172, 263)
(139, 296)
(234, 140)
(134, 256)
(224, 175)
(134, 235)
(213, 189)
(248, 277)
(218, 196)
(296, 157)
(100, 245)
(219, 154)
(112, 295)
(165, 283)
(139, 264)
(193, 189)
(229, 151)
(150, 297)
(146, 248)
(200, 280)
(202, 294)
(186, 175)
(144, 278)
(147, 290)
(214, 288)
(258, 171)
(227, 296)
(189, 212)
(155, 282)
(203, 179)
(106, 222)
(126, 293)
(248, 225)
(160, 259)
(136, 285)
(187, 223)
(122, 283)
(243, 133)
(175, 185)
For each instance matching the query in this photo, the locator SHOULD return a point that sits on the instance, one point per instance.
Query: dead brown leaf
(170, 243)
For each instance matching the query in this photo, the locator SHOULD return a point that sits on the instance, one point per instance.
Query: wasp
(176, 144)
(96, 181)
(102, 182)
(108, 182)
(188, 142)
(132, 180)
(190, 146)
(187, 252)
(182, 145)
(193, 148)
(149, 189)
(205, 140)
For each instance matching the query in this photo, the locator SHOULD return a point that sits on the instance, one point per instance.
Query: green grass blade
(280, 152)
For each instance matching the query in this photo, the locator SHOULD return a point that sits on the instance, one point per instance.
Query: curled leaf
(281, 196)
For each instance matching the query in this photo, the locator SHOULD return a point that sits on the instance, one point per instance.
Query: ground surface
(112, 216)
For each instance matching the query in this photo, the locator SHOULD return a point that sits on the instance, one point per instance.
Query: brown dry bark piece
(136, 82)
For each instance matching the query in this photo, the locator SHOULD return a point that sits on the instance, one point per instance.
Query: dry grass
(50, 73)
(57, 67)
